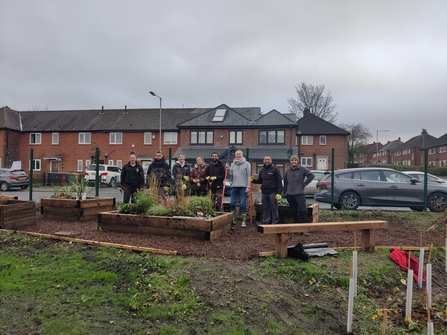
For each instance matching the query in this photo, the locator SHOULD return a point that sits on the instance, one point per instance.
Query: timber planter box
(200, 228)
(285, 214)
(75, 210)
(16, 213)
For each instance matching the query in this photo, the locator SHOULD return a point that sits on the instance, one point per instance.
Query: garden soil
(231, 262)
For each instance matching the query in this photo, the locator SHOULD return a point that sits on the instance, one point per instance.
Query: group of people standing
(202, 178)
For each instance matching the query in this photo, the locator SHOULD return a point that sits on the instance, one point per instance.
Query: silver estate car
(380, 187)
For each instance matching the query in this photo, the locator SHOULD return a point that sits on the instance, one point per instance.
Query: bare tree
(314, 98)
(359, 137)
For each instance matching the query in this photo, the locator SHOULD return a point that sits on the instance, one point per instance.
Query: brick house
(437, 154)
(66, 140)
(411, 152)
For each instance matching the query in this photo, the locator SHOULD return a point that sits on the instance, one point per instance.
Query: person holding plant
(180, 172)
(239, 172)
(199, 184)
(271, 187)
(215, 174)
(160, 173)
(132, 177)
(296, 178)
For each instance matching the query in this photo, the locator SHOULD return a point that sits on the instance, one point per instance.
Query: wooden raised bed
(16, 213)
(285, 215)
(75, 210)
(205, 229)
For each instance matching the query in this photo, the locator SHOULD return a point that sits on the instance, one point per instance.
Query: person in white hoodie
(240, 172)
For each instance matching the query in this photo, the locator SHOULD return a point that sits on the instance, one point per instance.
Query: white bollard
(354, 270)
(428, 284)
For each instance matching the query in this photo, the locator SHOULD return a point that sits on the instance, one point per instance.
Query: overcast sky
(384, 62)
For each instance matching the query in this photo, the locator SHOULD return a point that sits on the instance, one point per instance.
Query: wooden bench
(282, 231)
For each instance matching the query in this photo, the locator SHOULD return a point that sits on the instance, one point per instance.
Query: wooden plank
(211, 236)
(152, 230)
(368, 240)
(321, 226)
(97, 202)
(17, 205)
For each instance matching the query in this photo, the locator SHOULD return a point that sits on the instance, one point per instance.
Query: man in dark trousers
(132, 177)
(271, 187)
(160, 170)
(215, 174)
(296, 178)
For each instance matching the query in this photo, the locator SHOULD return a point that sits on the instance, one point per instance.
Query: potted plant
(80, 188)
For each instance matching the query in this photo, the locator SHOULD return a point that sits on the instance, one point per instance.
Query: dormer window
(219, 115)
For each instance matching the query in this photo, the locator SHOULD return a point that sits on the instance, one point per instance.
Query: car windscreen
(93, 168)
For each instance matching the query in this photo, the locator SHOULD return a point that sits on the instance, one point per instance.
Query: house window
(431, 151)
(87, 162)
(219, 115)
(35, 138)
(119, 163)
(323, 140)
(201, 137)
(398, 153)
(442, 163)
(170, 138)
(148, 138)
(80, 166)
(116, 138)
(442, 149)
(307, 140)
(84, 138)
(37, 164)
(306, 161)
(55, 138)
(271, 136)
(236, 137)
(110, 162)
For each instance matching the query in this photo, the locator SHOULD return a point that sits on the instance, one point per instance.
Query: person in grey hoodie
(296, 178)
(240, 173)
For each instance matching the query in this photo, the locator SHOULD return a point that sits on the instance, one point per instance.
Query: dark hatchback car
(13, 178)
(380, 187)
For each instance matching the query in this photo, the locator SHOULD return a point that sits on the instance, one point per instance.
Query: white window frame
(35, 138)
(80, 165)
(431, 151)
(87, 163)
(116, 138)
(269, 133)
(307, 161)
(119, 163)
(170, 137)
(322, 140)
(147, 138)
(307, 140)
(84, 138)
(110, 162)
(37, 164)
(55, 138)
(442, 149)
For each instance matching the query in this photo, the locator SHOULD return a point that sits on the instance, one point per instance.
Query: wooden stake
(421, 238)
(385, 311)
(409, 260)
(429, 254)
(355, 240)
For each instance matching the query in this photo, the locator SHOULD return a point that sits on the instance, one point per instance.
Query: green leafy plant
(80, 187)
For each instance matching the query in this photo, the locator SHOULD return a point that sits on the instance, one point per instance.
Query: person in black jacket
(132, 177)
(160, 169)
(215, 174)
(271, 186)
(180, 172)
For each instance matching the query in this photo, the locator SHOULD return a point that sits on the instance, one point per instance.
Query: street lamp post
(159, 140)
(377, 144)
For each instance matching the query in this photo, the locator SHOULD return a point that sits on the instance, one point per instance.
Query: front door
(322, 163)
(54, 165)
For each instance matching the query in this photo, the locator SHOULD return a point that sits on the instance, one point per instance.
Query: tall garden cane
(251, 204)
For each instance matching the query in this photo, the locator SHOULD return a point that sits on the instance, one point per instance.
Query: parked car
(13, 178)
(421, 176)
(311, 189)
(109, 174)
(380, 187)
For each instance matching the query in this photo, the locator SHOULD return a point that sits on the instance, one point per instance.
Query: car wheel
(24, 187)
(417, 208)
(112, 182)
(4, 187)
(437, 202)
(350, 200)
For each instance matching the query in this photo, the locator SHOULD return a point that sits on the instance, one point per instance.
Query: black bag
(298, 251)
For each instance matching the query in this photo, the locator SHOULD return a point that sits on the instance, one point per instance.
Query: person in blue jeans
(239, 173)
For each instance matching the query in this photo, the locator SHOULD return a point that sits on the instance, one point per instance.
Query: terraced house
(66, 140)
